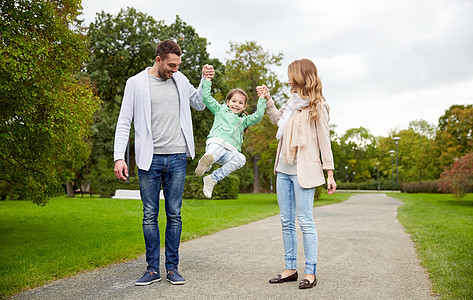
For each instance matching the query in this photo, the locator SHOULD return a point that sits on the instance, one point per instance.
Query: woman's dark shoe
(306, 284)
(280, 279)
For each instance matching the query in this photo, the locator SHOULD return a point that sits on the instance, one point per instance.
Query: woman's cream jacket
(314, 153)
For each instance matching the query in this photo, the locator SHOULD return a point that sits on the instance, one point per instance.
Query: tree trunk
(256, 187)
(70, 189)
(132, 163)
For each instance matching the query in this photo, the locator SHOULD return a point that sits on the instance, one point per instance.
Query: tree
(340, 173)
(454, 137)
(194, 51)
(45, 110)
(423, 128)
(194, 57)
(416, 161)
(458, 179)
(248, 68)
(121, 46)
(422, 164)
(358, 147)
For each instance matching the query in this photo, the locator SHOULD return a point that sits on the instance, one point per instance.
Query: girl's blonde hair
(306, 83)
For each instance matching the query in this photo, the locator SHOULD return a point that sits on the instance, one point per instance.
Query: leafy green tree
(358, 146)
(423, 128)
(340, 174)
(415, 153)
(383, 146)
(248, 67)
(194, 57)
(194, 52)
(423, 166)
(45, 110)
(454, 137)
(121, 46)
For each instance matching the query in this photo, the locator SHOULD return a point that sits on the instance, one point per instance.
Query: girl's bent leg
(213, 152)
(205, 163)
(230, 161)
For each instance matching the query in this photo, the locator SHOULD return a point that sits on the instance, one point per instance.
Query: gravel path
(364, 253)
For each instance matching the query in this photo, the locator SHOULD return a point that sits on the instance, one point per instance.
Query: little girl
(224, 141)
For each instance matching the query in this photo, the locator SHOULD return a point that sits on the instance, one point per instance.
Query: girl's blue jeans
(168, 171)
(295, 201)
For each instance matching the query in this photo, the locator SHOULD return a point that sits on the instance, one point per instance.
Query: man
(158, 100)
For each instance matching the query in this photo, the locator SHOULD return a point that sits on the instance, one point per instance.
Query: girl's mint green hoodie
(227, 125)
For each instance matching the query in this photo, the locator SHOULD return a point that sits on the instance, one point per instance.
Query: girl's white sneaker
(208, 186)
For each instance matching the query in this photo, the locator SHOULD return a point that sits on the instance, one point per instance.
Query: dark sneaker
(148, 278)
(174, 277)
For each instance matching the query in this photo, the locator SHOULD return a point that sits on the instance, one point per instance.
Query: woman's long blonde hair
(306, 83)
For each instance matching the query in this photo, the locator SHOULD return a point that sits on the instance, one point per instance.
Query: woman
(303, 153)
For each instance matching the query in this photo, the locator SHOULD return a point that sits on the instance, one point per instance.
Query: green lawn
(40, 244)
(442, 229)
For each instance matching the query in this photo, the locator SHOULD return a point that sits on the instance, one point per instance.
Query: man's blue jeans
(168, 171)
(295, 201)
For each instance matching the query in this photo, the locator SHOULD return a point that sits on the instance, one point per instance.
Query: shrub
(458, 179)
(228, 188)
(347, 186)
(132, 184)
(107, 186)
(431, 186)
(225, 189)
(370, 184)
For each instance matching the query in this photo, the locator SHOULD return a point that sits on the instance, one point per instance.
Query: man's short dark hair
(166, 47)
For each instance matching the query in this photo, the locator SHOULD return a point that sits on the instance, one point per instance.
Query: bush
(458, 179)
(347, 186)
(132, 184)
(225, 189)
(12, 192)
(6, 189)
(228, 188)
(431, 186)
(370, 184)
(107, 186)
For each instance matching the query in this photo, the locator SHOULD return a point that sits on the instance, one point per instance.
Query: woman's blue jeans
(168, 171)
(295, 201)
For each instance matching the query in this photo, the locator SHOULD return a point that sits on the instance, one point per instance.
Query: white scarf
(294, 103)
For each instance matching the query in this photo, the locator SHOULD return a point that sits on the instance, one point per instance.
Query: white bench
(132, 194)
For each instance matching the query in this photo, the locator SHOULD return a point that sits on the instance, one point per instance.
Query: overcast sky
(383, 63)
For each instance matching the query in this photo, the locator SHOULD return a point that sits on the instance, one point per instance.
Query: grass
(67, 236)
(442, 229)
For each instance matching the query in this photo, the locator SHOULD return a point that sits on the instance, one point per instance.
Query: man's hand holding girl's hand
(208, 72)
